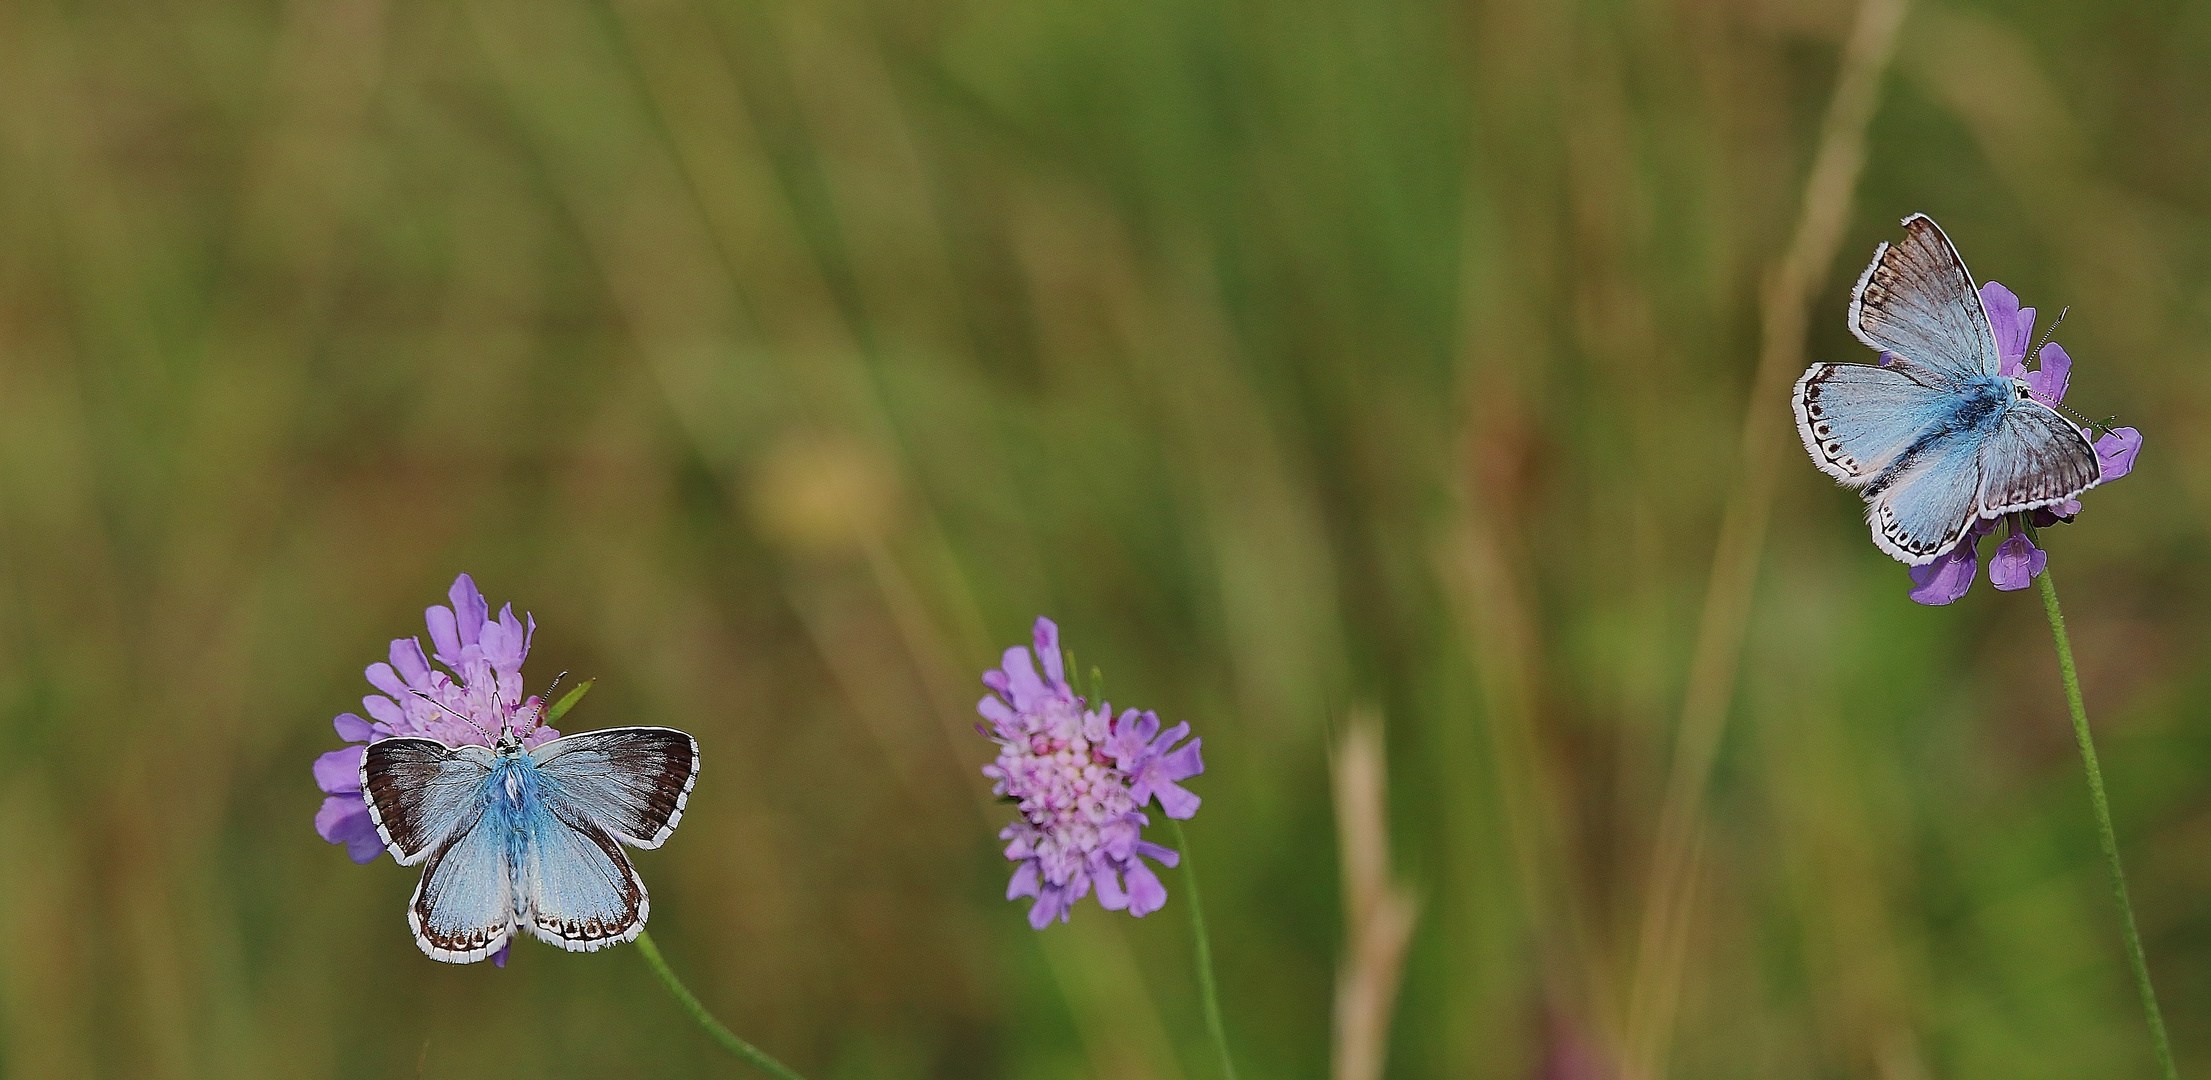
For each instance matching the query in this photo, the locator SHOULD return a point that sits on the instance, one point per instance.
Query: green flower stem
(722, 1035)
(2109, 839)
(1206, 984)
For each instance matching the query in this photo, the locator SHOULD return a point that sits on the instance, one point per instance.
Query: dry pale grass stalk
(1661, 955)
(1378, 914)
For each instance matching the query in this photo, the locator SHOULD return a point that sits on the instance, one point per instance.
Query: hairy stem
(2104, 833)
(690, 1003)
(1206, 984)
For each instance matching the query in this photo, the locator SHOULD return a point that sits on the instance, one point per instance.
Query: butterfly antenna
(2052, 331)
(2104, 425)
(546, 702)
(471, 723)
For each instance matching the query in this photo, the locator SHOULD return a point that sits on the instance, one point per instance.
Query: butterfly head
(510, 732)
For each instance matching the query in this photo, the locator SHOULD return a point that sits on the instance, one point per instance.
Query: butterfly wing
(2035, 458)
(1917, 300)
(463, 908)
(1858, 419)
(1920, 507)
(582, 892)
(602, 789)
(632, 782)
(419, 791)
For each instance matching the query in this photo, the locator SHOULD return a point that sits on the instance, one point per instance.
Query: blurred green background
(1304, 359)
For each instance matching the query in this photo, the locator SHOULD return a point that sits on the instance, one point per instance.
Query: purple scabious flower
(484, 657)
(1081, 778)
(2017, 560)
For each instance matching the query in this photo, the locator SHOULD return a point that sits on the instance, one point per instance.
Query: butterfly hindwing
(1922, 506)
(633, 782)
(2035, 458)
(1857, 419)
(1917, 300)
(463, 908)
(583, 893)
(418, 791)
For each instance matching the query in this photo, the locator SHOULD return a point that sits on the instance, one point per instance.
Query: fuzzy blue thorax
(511, 792)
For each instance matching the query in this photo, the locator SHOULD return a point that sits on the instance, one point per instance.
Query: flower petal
(445, 634)
(995, 710)
(1175, 800)
(1946, 579)
(2016, 563)
(2116, 450)
(408, 661)
(2014, 327)
(1047, 907)
(335, 819)
(382, 677)
(1146, 894)
(1159, 744)
(340, 770)
(1110, 894)
(352, 728)
(1184, 763)
(2053, 368)
(469, 609)
(1132, 738)
(386, 712)
(1045, 634)
(1118, 839)
(364, 849)
(1024, 881)
(344, 819)
(1021, 682)
(505, 642)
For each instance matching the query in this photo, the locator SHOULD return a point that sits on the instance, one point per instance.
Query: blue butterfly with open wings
(531, 838)
(1934, 438)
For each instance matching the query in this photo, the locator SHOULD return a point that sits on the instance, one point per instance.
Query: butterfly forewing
(463, 908)
(2034, 459)
(1917, 300)
(633, 782)
(419, 790)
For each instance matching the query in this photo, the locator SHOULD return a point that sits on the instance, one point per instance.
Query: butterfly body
(528, 838)
(1935, 438)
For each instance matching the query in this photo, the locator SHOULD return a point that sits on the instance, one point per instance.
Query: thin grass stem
(2104, 834)
(690, 1002)
(1206, 983)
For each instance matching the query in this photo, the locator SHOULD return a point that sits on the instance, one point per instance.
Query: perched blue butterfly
(1934, 438)
(529, 838)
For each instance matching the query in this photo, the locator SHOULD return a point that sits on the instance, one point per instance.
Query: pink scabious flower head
(476, 697)
(1081, 778)
(2017, 560)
